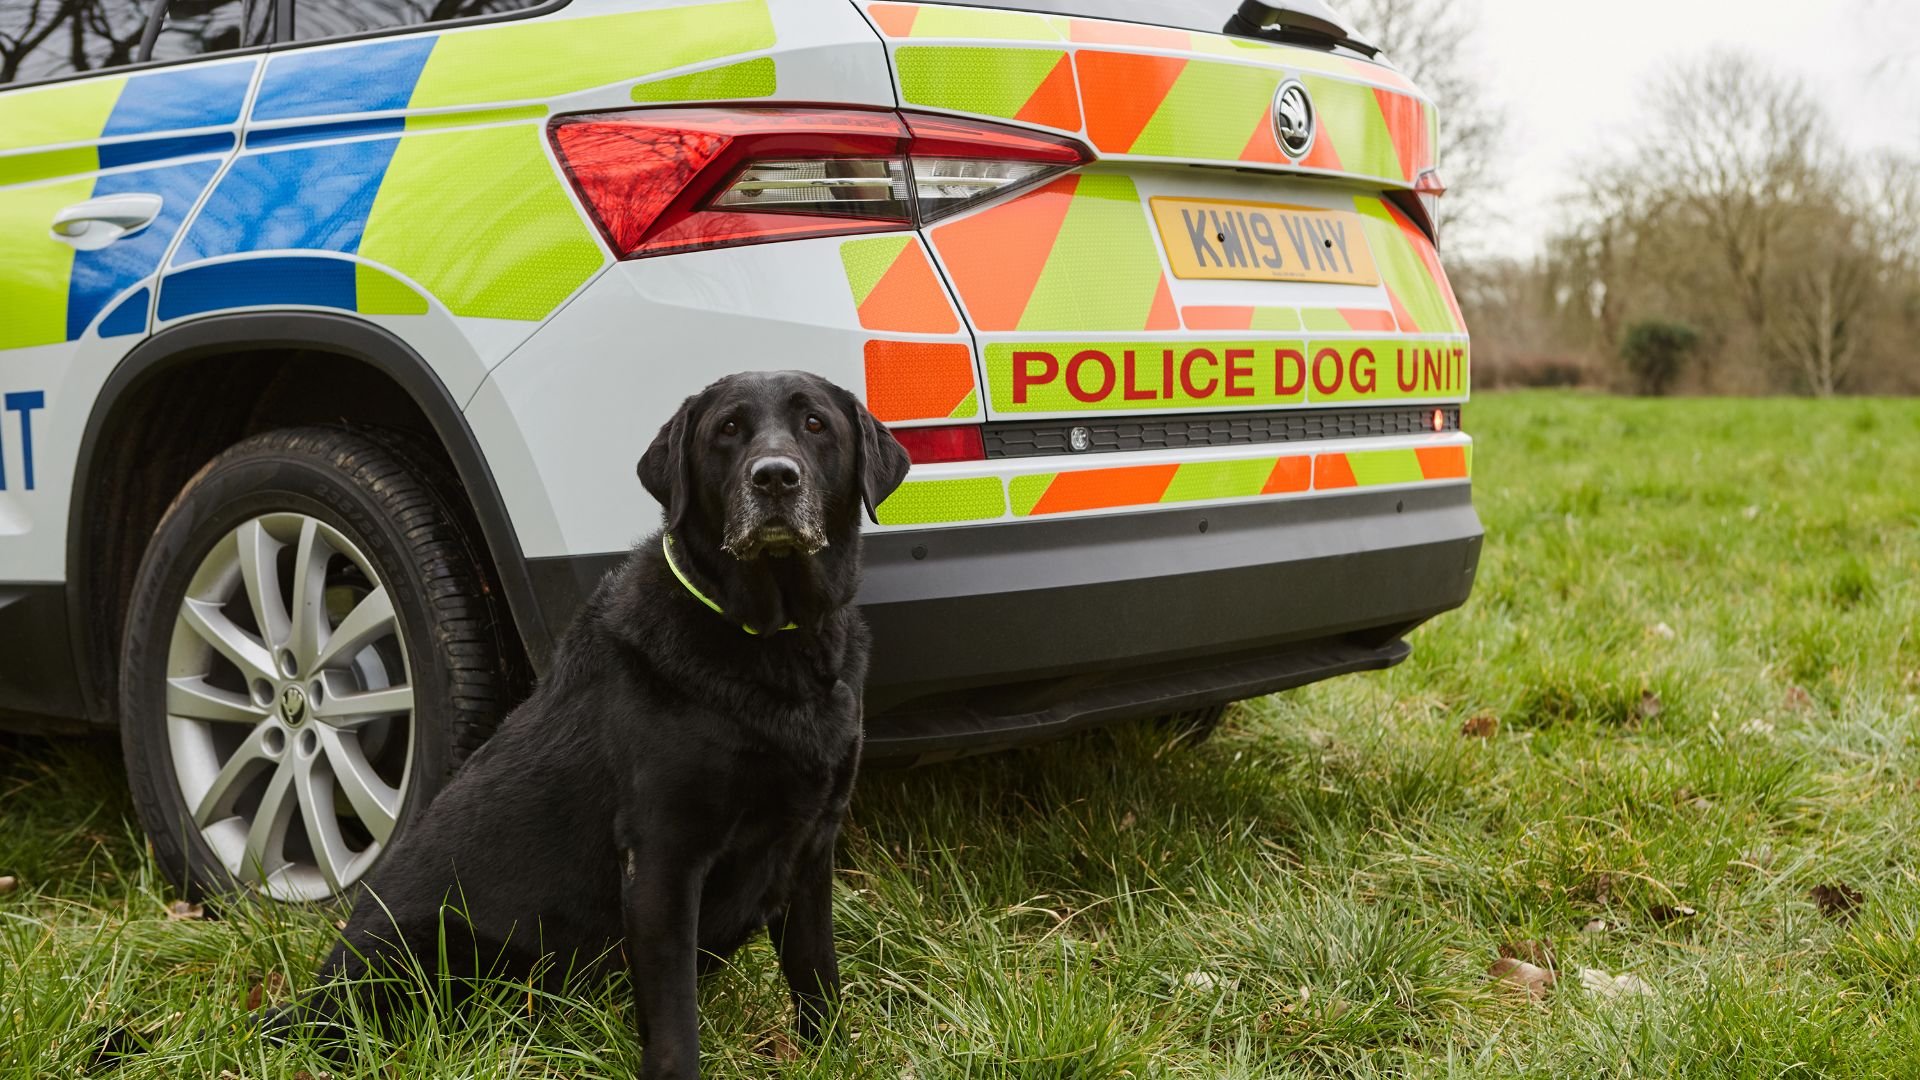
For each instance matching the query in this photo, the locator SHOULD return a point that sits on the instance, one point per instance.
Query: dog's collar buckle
(666, 548)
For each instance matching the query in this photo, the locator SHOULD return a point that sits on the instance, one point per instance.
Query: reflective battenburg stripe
(894, 286)
(934, 502)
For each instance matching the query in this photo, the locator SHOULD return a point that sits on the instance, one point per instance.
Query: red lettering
(1282, 387)
(1166, 374)
(1435, 372)
(1128, 390)
(1320, 385)
(1238, 371)
(1022, 377)
(1074, 367)
(1400, 371)
(1364, 356)
(1186, 374)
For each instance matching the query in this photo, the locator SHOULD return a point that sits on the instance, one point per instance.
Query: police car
(331, 331)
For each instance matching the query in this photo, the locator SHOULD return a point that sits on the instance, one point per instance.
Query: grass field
(1695, 631)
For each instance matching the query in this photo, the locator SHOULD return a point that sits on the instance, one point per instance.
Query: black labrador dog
(678, 779)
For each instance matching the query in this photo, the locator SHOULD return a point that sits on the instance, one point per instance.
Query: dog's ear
(880, 463)
(666, 469)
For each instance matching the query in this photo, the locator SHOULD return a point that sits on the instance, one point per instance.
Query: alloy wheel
(289, 704)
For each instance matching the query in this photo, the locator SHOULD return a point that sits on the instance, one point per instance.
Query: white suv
(331, 332)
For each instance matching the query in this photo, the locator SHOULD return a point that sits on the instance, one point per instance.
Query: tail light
(1422, 204)
(665, 180)
(933, 445)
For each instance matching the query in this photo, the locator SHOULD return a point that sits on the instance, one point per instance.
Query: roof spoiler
(1311, 21)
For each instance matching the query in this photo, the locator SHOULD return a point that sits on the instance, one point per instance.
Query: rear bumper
(994, 635)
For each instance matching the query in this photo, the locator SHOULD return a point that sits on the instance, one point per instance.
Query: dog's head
(771, 465)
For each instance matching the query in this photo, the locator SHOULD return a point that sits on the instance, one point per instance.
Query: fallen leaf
(8, 884)
(1649, 706)
(1663, 631)
(1613, 985)
(1837, 900)
(1602, 888)
(181, 911)
(1666, 913)
(1481, 726)
(1127, 821)
(1520, 975)
(1532, 951)
(780, 1048)
(1201, 981)
(1798, 698)
(1594, 926)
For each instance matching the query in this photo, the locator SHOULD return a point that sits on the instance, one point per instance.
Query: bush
(1655, 352)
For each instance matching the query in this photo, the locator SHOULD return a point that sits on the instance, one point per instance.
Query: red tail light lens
(933, 445)
(664, 180)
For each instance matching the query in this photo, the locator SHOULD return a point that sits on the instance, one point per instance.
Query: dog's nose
(776, 474)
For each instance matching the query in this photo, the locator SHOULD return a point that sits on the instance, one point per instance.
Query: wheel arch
(255, 353)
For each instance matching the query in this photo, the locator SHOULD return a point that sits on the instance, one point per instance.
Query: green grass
(1319, 890)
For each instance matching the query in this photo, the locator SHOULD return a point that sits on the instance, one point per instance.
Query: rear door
(99, 169)
(1200, 287)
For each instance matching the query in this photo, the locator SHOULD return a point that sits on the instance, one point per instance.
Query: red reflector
(933, 445)
(682, 179)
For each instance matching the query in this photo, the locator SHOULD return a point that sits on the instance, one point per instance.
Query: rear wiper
(1308, 22)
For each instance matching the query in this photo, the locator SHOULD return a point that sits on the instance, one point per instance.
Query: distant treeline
(1735, 248)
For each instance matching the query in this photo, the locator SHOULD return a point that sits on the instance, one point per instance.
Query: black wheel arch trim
(346, 336)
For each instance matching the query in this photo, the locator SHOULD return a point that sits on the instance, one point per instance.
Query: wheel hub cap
(289, 707)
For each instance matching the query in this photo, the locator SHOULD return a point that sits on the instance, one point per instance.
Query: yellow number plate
(1249, 241)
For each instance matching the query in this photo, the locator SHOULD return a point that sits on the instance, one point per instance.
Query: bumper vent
(1113, 434)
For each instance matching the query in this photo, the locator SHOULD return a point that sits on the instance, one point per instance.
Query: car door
(108, 138)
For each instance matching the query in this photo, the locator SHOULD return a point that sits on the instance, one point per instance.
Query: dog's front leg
(803, 936)
(660, 901)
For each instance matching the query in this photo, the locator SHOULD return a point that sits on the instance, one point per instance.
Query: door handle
(94, 224)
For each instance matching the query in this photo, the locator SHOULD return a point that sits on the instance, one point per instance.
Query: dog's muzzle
(776, 513)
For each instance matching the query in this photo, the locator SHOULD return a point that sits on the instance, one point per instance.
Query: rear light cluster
(666, 180)
(933, 445)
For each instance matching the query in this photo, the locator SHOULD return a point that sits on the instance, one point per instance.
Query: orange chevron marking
(1423, 247)
(895, 20)
(1054, 103)
(1091, 32)
(1123, 91)
(1368, 319)
(1407, 125)
(1442, 462)
(1262, 147)
(1402, 318)
(1163, 316)
(1332, 471)
(1099, 489)
(995, 256)
(1218, 318)
(917, 380)
(1289, 474)
(1322, 155)
(908, 298)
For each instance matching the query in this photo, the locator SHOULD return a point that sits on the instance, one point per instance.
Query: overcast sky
(1572, 77)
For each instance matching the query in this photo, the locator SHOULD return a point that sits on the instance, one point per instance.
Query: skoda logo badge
(293, 705)
(1293, 118)
(1079, 439)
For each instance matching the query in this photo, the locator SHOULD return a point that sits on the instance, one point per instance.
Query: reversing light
(1439, 419)
(933, 445)
(682, 179)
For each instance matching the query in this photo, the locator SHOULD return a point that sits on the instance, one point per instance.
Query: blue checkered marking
(374, 77)
(308, 197)
(207, 95)
(99, 276)
(262, 282)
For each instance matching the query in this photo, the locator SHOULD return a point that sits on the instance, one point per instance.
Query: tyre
(309, 652)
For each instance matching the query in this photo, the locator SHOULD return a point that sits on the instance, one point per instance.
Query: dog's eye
(731, 427)
(814, 425)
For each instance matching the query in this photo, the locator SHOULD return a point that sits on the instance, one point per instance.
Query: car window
(45, 39)
(314, 19)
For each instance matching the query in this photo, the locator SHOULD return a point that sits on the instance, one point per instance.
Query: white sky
(1572, 78)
